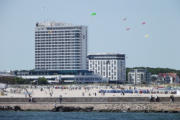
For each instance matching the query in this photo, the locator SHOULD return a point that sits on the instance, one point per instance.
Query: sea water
(29, 115)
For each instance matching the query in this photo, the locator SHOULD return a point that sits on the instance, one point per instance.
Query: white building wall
(60, 46)
(112, 68)
(137, 77)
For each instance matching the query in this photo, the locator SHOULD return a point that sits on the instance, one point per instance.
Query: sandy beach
(80, 91)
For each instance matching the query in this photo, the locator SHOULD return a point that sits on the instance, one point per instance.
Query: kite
(93, 13)
(146, 35)
(127, 29)
(143, 23)
(124, 19)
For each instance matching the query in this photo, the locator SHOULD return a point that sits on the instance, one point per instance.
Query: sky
(106, 30)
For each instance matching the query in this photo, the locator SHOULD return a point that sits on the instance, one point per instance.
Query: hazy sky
(106, 31)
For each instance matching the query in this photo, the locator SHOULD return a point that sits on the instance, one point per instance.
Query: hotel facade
(110, 66)
(60, 46)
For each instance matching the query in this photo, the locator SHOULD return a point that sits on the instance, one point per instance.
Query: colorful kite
(93, 13)
(124, 19)
(127, 29)
(143, 23)
(146, 35)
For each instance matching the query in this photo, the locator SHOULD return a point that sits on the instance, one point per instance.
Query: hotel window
(103, 73)
(98, 68)
(103, 67)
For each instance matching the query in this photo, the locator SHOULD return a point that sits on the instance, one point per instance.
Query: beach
(85, 91)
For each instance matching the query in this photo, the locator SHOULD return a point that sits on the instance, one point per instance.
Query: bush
(42, 81)
(19, 80)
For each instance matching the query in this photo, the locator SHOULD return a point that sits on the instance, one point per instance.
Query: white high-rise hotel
(60, 46)
(110, 66)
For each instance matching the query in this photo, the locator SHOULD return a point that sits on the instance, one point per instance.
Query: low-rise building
(139, 76)
(81, 76)
(169, 78)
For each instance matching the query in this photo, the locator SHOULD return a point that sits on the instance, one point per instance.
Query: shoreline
(93, 104)
(122, 107)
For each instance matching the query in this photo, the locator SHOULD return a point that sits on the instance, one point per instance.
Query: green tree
(19, 80)
(42, 81)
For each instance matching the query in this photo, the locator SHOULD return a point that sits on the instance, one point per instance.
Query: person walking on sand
(172, 98)
(82, 93)
(55, 105)
(150, 98)
(60, 99)
(157, 99)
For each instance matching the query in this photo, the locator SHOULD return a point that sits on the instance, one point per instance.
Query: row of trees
(18, 80)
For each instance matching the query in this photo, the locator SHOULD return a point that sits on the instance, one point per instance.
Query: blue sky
(106, 31)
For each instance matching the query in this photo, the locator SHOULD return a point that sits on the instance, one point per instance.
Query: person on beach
(171, 98)
(151, 99)
(50, 94)
(82, 93)
(123, 93)
(32, 99)
(29, 99)
(157, 99)
(60, 99)
(55, 105)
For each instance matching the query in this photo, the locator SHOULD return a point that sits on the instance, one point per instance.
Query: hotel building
(110, 66)
(60, 46)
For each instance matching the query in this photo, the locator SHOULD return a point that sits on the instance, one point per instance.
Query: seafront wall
(117, 107)
(87, 104)
(87, 99)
